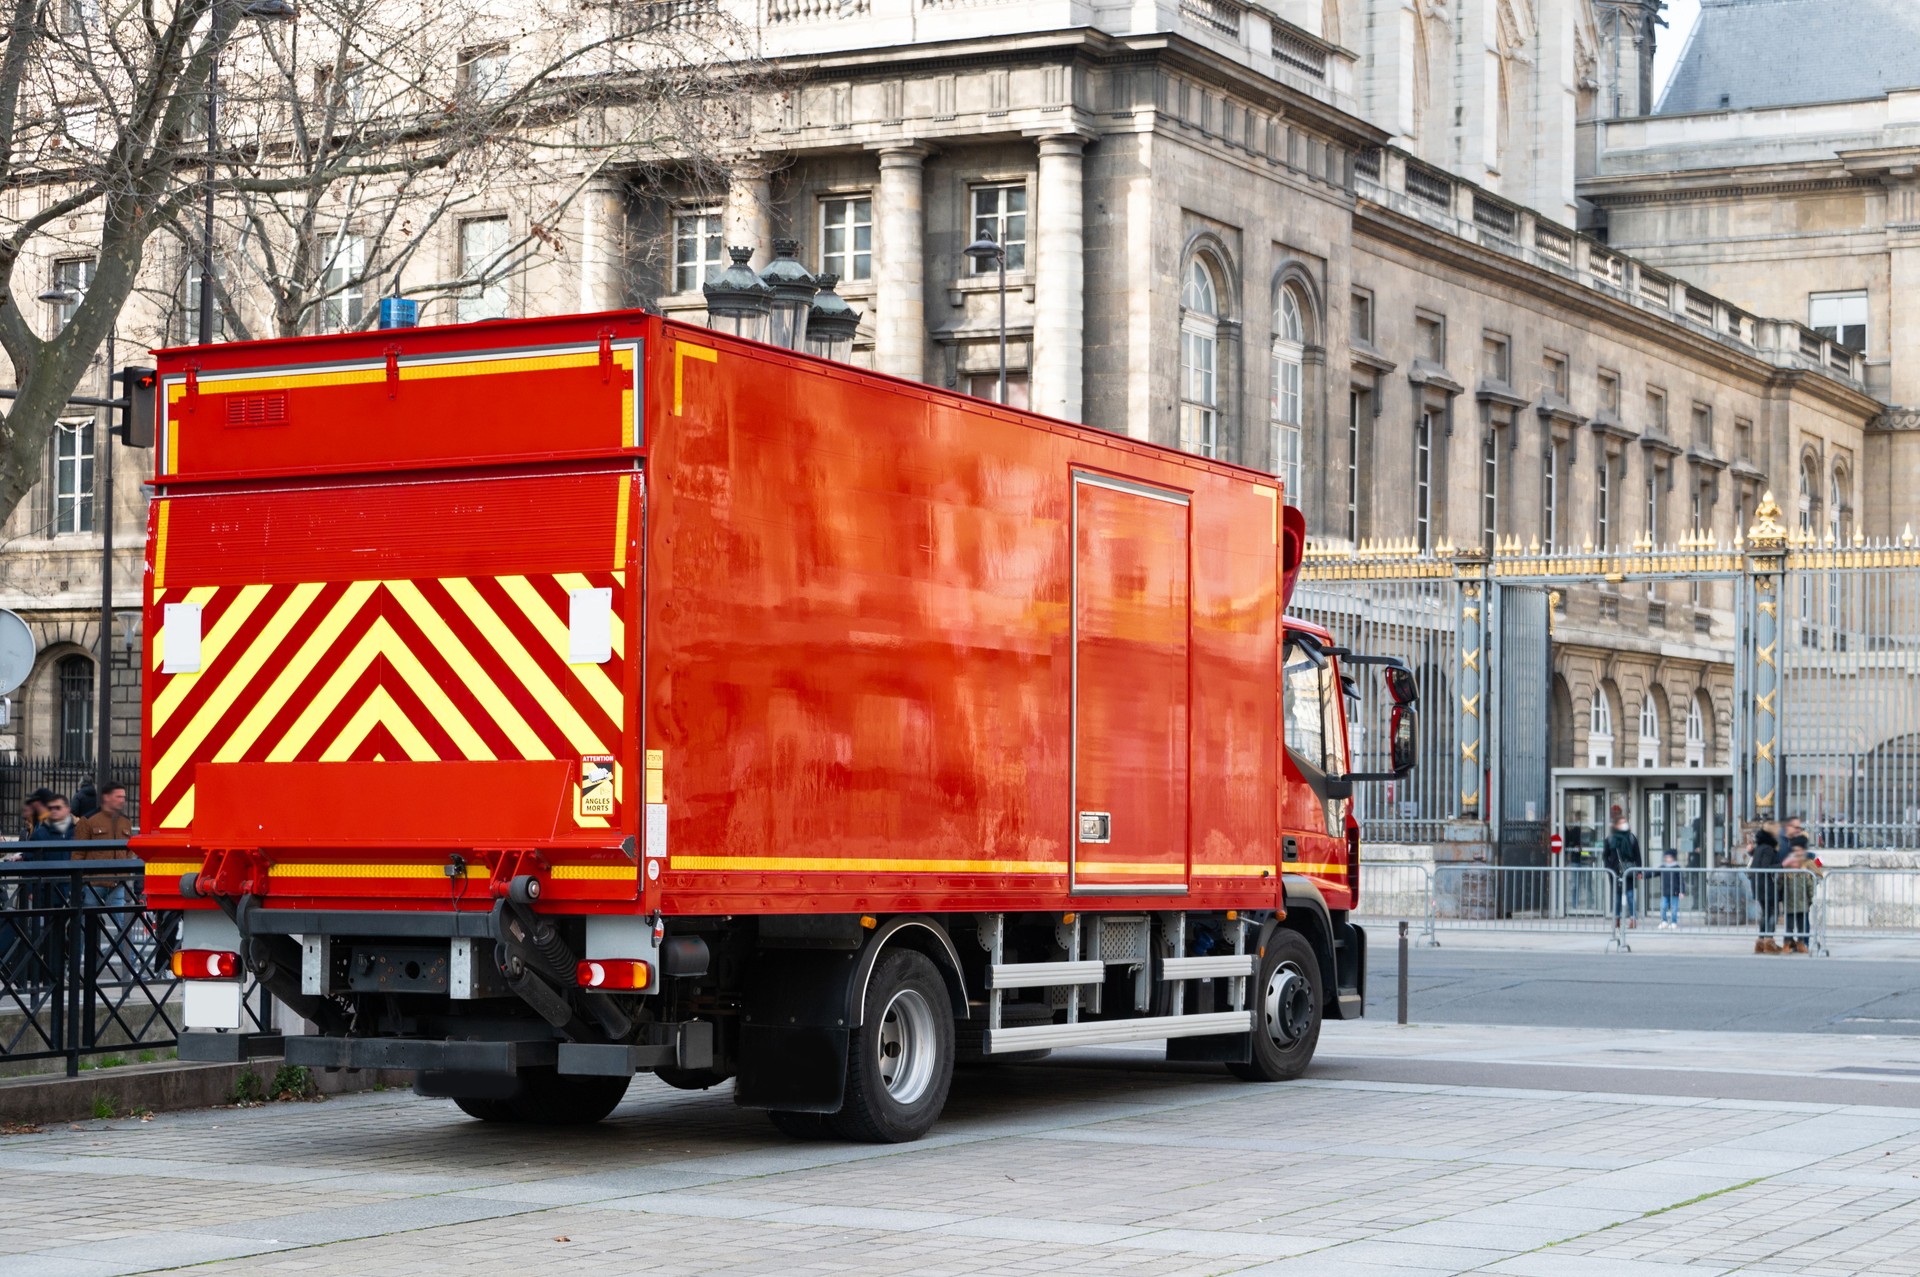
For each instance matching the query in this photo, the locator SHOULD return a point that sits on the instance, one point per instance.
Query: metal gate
(1523, 672)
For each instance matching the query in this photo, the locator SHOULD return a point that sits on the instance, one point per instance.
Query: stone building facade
(1332, 239)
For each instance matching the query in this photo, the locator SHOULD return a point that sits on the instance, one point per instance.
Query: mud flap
(1221, 1048)
(794, 1032)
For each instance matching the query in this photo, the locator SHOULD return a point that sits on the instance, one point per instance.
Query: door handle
(1289, 849)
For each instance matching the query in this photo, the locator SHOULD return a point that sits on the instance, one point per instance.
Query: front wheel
(1287, 1003)
(900, 1062)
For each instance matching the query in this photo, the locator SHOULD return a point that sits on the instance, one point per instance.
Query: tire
(1288, 1001)
(900, 1062)
(548, 1098)
(800, 1126)
(486, 1110)
(690, 1079)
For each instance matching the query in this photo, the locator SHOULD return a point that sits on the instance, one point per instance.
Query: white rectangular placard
(212, 1004)
(180, 638)
(656, 831)
(589, 627)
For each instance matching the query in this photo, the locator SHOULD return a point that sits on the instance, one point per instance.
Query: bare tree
(345, 137)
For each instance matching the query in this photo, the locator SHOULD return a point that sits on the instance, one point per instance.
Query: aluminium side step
(1091, 1032)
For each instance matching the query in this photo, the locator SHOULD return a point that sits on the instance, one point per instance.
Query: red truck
(533, 703)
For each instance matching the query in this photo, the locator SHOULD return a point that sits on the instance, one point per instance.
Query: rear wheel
(549, 1098)
(900, 1062)
(1287, 1003)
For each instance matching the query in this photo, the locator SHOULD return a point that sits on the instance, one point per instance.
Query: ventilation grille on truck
(268, 409)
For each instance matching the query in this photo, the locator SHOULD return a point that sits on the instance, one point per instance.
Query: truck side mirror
(1403, 739)
(1400, 685)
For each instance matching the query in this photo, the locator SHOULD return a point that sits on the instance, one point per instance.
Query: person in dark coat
(1764, 861)
(1621, 855)
(55, 826)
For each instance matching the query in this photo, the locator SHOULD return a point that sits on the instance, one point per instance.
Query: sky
(1680, 15)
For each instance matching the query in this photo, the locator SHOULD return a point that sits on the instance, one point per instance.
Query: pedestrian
(109, 892)
(1621, 856)
(1764, 863)
(86, 800)
(56, 825)
(33, 809)
(1798, 883)
(1669, 890)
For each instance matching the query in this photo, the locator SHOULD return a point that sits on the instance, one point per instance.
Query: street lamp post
(225, 16)
(738, 299)
(830, 321)
(982, 251)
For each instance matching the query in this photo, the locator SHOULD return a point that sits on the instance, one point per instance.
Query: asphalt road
(1773, 994)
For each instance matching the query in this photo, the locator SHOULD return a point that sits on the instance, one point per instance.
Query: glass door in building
(1583, 827)
(1676, 820)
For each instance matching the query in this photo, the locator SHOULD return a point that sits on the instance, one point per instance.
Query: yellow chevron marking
(182, 814)
(203, 595)
(571, 581)
(861, 864)
(378, 709)
(212, 645)
(491, 699)
(554, 630)
(595, 873)
(228, 688)
(293, 673)
(432, 697)
(620, 524)
(532, 677)
(331, 693)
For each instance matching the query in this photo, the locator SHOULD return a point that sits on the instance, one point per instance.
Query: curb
(162, 1087)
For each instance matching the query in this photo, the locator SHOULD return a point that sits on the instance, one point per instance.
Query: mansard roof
(1764, 53)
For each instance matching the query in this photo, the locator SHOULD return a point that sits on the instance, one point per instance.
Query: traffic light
(135, 426)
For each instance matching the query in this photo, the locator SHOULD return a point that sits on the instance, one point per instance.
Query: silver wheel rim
(1288, 1005)
(906, 1046)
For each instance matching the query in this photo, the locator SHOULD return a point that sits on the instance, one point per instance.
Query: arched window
(1647, 751)
(1289, 355)
(73, 683)
(1837, 511)
(1200, 360)
(1809, 491)
(1600, 730)
(1696, 735)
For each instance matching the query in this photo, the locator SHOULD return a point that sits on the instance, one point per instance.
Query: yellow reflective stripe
(620, 525)
(307, 870)
(182, 814)
(432, 696)
(861, 864)
(274, 699)
(554, 630)
(160, 540)
(212, 644)
(408, 372)
(229, 686)
(594, 873)
(172, 868)
(1130, 869)
(328, 698)
(455, 653)
(532, 677)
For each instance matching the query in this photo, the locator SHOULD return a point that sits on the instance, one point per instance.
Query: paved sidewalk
(1101, 1162)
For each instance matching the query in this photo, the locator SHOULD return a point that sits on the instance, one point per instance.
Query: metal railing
(1726, 902)
(1868, 904)
(1474, 897)
(1397, 889)
(85, 968)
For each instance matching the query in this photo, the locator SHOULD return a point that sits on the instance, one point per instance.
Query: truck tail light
(205, 964)
(614, 973)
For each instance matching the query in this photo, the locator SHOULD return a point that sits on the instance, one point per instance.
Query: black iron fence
(21, 776)
(85, 968)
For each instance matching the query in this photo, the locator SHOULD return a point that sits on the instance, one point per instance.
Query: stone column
(900, 272)
(601, 239)
(1059, 280)
(748, 216)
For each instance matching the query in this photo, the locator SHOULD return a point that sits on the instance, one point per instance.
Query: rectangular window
(1423, 481)
(1360, 316)
(483, 72)
(697, 248)
(344, 285)
(483, 246)
(1430, 337)
(1496, 358)
(846, 237)
(1356, 408)
(1000, 213)
(1199, 417)
(1703, 427)
(1490, 490)
(986, 385)
(1839, 317)
(1699, 515)
(190, 304)
(1609, 386)
(1653, 505)
(1554, 374)
(1742, 439)
(1656, 411)
(1550, 498)
(73, 475)
(75, 276)
(1603, 505)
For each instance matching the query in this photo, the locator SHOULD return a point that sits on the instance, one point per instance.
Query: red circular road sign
(1557, 844)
